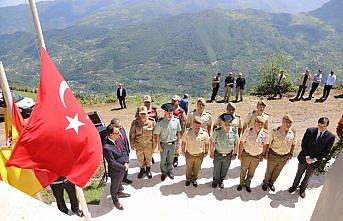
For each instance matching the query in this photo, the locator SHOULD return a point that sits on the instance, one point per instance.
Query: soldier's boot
(148, 172)
(176, 161)
(141, 173)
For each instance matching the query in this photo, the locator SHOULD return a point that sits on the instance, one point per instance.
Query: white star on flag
(74, 123)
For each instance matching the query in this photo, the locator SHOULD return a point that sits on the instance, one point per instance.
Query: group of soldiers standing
(194, 137)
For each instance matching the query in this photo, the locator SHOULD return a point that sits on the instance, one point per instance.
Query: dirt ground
(305, 113)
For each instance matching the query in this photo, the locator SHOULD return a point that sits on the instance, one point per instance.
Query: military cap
(262, 102)
(167, 107)
(143, 110)
(176, 98)
(202, 100)
(288, 117)
(146, 98)
(226, 117)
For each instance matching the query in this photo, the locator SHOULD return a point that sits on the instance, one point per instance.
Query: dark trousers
(326, 91)
(214, 93)
(122, 102)
(313, 89)
(116, 186)
(302, 167)
(58, 190)
(221, 165)
(277, 90)
(301, 91)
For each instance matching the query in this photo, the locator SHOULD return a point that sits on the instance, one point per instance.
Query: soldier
(152, 113)
(142, 140)
(237, 120)
(168, 136)
(180, 114)
(280, 150)
(195, 146)
(203, 114)
(252, 148)
(152, 110)
(250, 120)
(223, 149)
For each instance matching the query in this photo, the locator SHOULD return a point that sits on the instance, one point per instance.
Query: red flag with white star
(59, 137)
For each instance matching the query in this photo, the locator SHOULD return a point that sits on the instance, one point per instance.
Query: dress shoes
(78, 212)
(292, 189)
(118, 206)
(127, 181)
(170, 175)
(163, 177)
(195, 183)
(248, 189)
(123, 195)
(271, 187)
(214, 184)
(175, 161)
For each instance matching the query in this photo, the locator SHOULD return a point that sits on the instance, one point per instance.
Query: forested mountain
(176, 53)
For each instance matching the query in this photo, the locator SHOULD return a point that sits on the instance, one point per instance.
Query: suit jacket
(123, 94)
(115, 156)
(313, 148)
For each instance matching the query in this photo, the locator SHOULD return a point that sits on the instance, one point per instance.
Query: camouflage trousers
(144, 156)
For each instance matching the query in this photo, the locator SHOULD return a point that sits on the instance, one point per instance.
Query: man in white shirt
(317, 78)
(328, 85)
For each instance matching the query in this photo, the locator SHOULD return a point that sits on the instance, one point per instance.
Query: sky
(15, 2)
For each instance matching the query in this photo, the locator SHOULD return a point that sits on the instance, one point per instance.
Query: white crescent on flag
(63, 87)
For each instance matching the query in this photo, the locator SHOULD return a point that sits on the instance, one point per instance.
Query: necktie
(320, 134)
(122, 138)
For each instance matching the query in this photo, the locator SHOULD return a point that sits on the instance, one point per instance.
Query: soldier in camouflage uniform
(142, 140)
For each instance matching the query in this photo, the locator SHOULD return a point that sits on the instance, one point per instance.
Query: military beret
(226, 117)
(167, 107)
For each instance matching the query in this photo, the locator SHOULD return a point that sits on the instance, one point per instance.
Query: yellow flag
(22, 179)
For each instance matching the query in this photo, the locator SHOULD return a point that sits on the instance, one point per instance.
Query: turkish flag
(59, 137)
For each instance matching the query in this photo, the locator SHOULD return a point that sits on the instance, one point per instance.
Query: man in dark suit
(121, 95)
(117, 164)
(124, 142)
(316, 144)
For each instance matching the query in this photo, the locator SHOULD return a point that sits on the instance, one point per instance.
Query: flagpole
(41, 44)
(6, 93)
(38, 27)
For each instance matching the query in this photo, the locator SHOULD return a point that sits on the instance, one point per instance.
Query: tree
(269, 74)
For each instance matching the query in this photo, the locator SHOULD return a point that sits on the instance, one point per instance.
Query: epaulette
(293, 130)
(207, 112)
(265, 113)
(276, 129)
(161, 118)
(236, 115)
(254, 111)
(251, 128)
(218, 128)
